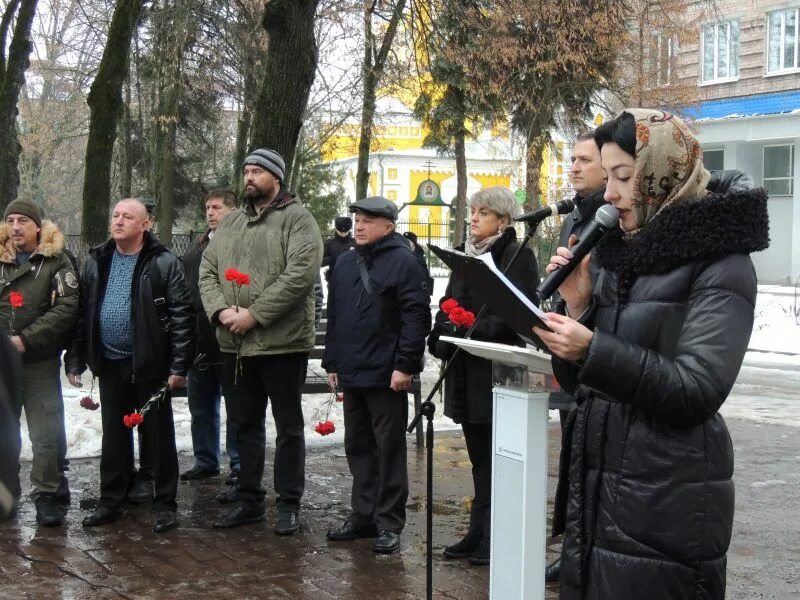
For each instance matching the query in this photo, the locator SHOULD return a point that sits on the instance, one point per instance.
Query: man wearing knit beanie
(38, 308)
(27, 208)
(265, 333)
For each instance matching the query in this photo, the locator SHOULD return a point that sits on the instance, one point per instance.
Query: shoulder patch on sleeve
(71, 280)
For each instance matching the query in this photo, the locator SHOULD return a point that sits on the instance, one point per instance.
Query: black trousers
(120, 396)
(478, 437)
(375, 444)
(278, 378)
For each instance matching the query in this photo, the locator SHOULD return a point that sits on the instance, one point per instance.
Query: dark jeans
(278, 378)
(120, 396)
(478, 437)
(375, 443)
(205, 390)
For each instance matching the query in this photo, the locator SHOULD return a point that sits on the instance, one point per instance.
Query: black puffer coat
(650, 503)
(163, 340)
(468, 384)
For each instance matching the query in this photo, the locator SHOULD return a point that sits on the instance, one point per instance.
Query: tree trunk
(240, 152)
(461, 186)
(374, 64)
(126, 151)
(289, 72)
(105, 105)
(533, 169)
(365, 135)
(12, 78)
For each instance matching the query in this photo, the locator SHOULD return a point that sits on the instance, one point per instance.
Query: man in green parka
(265, 329)
(38, 307)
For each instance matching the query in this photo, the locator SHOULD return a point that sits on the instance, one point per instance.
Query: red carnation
(448, 305)
(340, 397)
(468, 319)
(325, 427)
(231, 274)
(16, 299)
(242, 278)
(88, 403)
(133, 419)
(460, 317)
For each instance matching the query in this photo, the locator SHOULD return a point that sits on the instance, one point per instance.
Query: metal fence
(430, 232)
(180, 244)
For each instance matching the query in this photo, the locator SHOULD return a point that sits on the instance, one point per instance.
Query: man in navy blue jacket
(378, 318)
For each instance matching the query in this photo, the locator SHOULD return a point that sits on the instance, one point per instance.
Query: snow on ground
(774, 360)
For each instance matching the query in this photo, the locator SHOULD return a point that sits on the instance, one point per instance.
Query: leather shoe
(103, 515)
(48, 512)
(240, 515)
(387, 542)
(464, 548)
(350, 531)
(287, 522)
(165, 521)
(229, 495)
(553, 571)
(233, 478)
(198, 473)
(141, 491)
(480, 556)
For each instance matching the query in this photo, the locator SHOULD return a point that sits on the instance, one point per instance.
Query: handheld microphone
(540, 214)
(604, 219)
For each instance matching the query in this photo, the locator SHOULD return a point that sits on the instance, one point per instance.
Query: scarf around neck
(472, 247)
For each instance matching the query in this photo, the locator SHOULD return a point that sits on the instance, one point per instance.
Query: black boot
(103, 515)
(464, 548)
(141, 491)
(480, 556)
(48, 512)
(553, 570)
(63, 495)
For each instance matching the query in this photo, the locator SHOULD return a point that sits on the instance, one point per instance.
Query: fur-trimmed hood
(700, 229)
(51, 242)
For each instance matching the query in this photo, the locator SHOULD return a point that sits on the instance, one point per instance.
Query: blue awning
(745, 106)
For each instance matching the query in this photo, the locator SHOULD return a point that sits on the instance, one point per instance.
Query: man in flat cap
(266, 339)
(38, 308)
(378, 317)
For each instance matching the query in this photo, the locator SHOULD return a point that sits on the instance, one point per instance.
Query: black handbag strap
(157, 286)
(362, 269)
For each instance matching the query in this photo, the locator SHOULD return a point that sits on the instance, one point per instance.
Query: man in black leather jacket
(137, 335)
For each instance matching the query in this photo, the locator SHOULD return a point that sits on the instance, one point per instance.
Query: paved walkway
(127, 560)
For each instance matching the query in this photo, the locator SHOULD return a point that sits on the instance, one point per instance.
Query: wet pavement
(127, 560)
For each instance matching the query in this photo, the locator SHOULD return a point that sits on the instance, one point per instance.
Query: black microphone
(540, 214)
(604, 219)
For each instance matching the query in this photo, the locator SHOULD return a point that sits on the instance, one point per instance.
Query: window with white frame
(782, 41)
(663, 58)
(779, 170)
(720, 51)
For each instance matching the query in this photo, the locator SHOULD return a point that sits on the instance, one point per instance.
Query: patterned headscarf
(669, 163)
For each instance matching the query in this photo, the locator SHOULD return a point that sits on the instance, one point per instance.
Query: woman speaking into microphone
(468, 384)
(651, 350)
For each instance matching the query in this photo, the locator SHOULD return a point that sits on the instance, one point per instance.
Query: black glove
(439, 349)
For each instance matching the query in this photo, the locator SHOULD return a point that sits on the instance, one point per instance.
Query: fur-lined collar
(704, 229)
(51, 242)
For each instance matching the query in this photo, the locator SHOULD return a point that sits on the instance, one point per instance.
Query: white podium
(519, 468)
